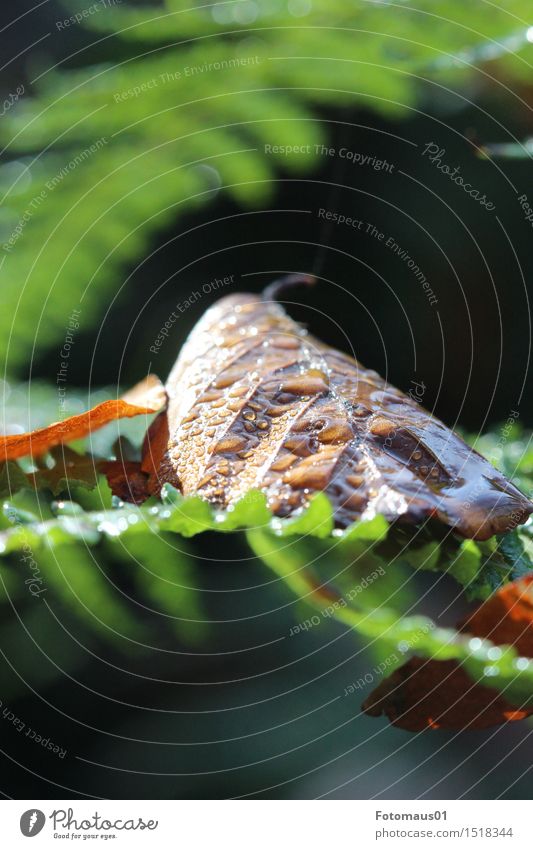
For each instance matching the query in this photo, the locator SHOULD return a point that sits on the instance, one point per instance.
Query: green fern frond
(104, 157)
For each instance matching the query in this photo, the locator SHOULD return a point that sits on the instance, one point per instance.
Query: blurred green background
(147, 156)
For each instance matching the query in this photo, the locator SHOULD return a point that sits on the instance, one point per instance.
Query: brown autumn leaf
(439, 693)
(145, 398)
(255, 402)
(125, 479)
(506, 618)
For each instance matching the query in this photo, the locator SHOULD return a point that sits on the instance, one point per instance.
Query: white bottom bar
(267, 824)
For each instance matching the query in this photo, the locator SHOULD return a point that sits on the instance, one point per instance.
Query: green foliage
(68, 469)
(181, 106)
(112, 565)
(510, 449)
(185, 516)
(382, 623)
(90, 516)
(164, 575)
(479, 567)
(80, 583)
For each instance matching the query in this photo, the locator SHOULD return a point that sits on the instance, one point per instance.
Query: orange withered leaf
(440, 694)
(255, 402)
(145, 398)
(506, 618)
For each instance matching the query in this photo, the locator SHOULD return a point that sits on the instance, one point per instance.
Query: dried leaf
(124, 475)
(125, 479)
(440, 694)
(506, 618)
(257, 403)
(145, 398)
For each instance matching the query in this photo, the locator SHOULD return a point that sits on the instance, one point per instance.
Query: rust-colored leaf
(506, 618)
(255, 402)
(439, 693)
(125, 479)
(145, 398)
